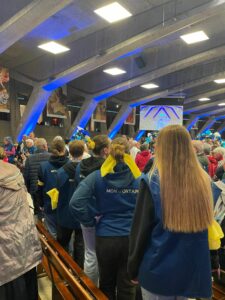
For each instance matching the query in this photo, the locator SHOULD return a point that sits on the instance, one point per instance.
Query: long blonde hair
(186, 195)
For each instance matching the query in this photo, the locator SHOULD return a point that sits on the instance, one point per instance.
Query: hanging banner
(99, 114)
(56, 106)
(131, 119)
(4, 90)
(22, 110)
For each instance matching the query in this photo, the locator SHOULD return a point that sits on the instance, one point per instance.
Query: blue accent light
(139, 103)
(131, 53)
(113, 133)
(139, 135)
(106, 95)
(220, 118)
(209, 126)
(53, 85)
(222, 130)
(192, 123)
(186, 113)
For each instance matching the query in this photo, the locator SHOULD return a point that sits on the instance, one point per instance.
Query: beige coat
(20, 248)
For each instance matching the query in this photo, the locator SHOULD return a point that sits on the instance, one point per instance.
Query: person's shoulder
(44, 164)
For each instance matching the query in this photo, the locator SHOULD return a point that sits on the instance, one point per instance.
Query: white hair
(58, 138)
(219, 150)
(30, 141)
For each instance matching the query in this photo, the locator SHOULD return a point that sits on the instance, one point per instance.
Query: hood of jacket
(122, 176)
(213, 160)
(70, 168)
(91, 164)
(58, 161)
(144, 153)
(40, 151)
(10, 177)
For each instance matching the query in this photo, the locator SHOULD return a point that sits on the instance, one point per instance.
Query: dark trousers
(22, 288)
(112, 255)
(64, 236)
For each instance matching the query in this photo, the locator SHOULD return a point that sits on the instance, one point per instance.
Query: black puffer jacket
(31, 169)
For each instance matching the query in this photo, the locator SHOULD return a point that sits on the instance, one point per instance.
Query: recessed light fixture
(219, 81)
(117, 105)
(53, 47)
(114, 71)
(221, 104)
(149, 86)
(113, 12)
(194, 37)
(203, 99)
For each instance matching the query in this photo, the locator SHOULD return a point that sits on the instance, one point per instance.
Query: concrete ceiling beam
(119, 120)
(207, 125)
(145, 39)
(150, 76)
(34, 108)
(27, 19)
(205, 95)
(83, 115)
(176, 89)
(202, 106)
(193, 120)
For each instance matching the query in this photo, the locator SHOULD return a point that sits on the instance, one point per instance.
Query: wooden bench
(68, 279)
(218, 291)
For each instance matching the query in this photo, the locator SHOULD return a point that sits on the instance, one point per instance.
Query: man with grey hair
(202, 158)
(31, 169)
(207, 148)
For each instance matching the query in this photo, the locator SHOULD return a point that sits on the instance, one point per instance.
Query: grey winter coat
(20, 248)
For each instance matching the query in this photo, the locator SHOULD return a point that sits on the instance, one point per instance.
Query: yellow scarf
(110, 164)
(54, 195)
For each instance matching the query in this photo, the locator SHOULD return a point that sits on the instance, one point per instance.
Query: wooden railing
(219, 287)
(68, 279)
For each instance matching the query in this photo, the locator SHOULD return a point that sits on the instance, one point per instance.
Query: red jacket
(142, 158)
(213, 164)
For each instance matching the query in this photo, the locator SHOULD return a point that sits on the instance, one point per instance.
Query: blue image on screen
(158, 116)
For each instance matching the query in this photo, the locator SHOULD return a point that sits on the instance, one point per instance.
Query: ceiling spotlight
(203, 99)
(117, 105)
(219, 81)
(53, 47)
(221, 104)
(114, 71)
(149, 86)
(113, 12)
(194, 37)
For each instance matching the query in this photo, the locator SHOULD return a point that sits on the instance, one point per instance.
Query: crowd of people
(134, 215)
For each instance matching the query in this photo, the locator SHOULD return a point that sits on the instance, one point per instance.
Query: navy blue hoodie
(111, 198)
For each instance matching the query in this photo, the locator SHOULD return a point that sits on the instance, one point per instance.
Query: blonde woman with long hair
(169, 253)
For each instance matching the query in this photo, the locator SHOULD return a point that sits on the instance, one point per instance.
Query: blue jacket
(10, 147)
(174, 264)
(47, 176)
(66, 185)
(111, 198)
